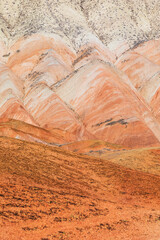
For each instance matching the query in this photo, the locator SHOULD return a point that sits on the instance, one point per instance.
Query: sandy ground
(50, 193)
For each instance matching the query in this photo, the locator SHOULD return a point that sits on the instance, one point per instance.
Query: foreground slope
(50, 193)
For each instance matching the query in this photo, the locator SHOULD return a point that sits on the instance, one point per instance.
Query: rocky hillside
(51, 194)
(81, 69)
(79, 21)
(79, 119)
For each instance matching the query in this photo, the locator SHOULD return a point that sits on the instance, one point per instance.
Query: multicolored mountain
(79, 119)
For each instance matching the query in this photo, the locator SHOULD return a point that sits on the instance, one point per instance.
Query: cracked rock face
(78, 70)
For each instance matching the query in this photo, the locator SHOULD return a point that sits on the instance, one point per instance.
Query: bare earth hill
(50, 193)
(79, 119)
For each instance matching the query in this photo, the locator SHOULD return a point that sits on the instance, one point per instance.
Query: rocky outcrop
(11, 94)
(62, 71)
(113, 110)
(88, 94)
(80, 22)
(144, 74)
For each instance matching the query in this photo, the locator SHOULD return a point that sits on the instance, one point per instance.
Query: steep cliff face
(77, 68)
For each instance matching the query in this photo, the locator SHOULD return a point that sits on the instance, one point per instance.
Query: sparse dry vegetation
(49, 193)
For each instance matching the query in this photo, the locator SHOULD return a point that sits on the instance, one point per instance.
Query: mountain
(88, 93)
(61, 69)
(79, 119)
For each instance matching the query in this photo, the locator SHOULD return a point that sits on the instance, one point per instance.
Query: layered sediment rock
(113, 109)
(61, 69)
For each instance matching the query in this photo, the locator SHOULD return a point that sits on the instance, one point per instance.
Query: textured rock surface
(113, 110)
(78, 21)
(46, 83)
(80, 78)
(11, 94)
(143, 70)
(21, 130)
(62, 70)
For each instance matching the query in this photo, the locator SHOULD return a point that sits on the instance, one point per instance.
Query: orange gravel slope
(49, 193)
